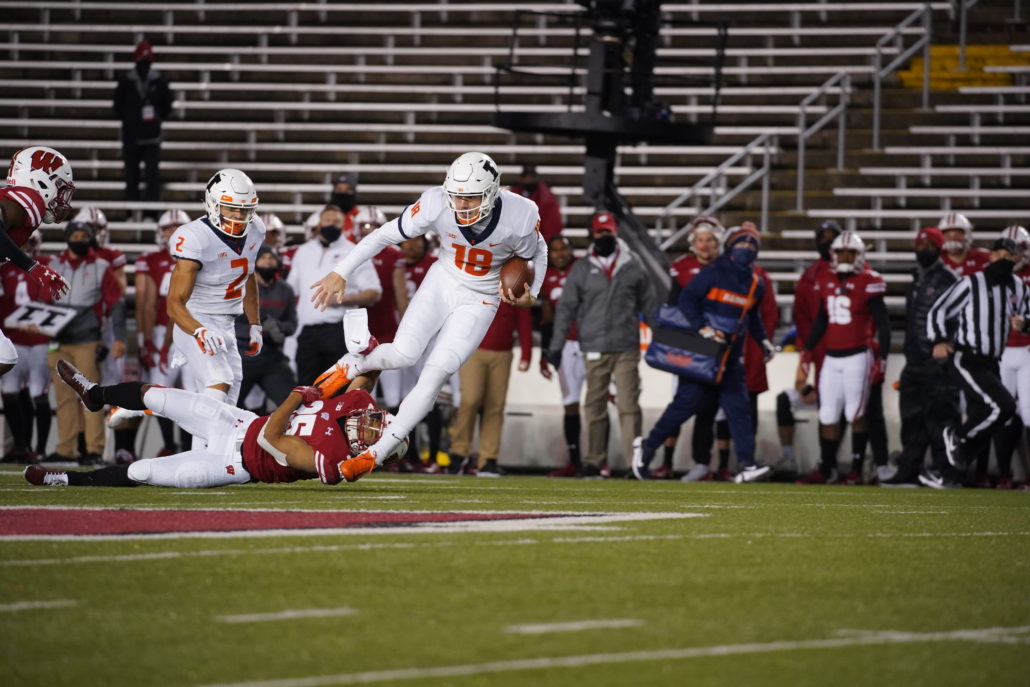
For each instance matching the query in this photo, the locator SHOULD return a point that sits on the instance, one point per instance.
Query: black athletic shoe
(91, 459)
(491, 469)
(953, 448)
(71, 376)
(937, 480)
(591, 471)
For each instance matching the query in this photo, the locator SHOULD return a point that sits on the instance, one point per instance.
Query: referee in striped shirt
(971, 322)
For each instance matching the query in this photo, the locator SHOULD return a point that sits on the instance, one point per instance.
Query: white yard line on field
(572, 626)
(33, 605)
(1003, 635)
(290, 614)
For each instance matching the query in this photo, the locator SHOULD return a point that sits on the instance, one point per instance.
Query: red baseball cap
(144, 51)
(932, 234)
(604, 220)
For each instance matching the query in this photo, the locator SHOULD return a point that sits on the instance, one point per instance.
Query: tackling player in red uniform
(851, 302)
(39, 189)
(306, 437)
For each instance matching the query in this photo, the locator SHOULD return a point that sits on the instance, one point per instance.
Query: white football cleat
(119, 416)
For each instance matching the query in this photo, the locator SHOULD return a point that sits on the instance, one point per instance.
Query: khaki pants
(71, 416)
(624, 367)
(484, 384)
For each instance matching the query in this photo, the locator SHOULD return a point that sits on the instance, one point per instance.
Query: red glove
(149, 355)
(52, 285)
(878, 371)
(162, 360)
(545, 369)
(309, 394)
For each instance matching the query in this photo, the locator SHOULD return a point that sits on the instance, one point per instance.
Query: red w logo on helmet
(46, 160)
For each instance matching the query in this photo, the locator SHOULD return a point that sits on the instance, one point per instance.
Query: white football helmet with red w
(1022, 238)
(47, 172)
(952, 221)
(169, 221)
(848, 240)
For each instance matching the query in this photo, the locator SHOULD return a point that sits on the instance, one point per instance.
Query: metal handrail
(879, 72)
(839, 111)
(963, 6)
(717, 200)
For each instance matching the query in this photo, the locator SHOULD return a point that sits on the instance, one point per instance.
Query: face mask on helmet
(230, 201)
(363, 428)
(850, 243)
(472, 177)
(48, 173)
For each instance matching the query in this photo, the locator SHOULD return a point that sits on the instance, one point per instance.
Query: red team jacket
(30, 201)
(318, 425)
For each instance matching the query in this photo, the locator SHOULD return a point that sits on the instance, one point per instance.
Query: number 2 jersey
(318, 424)
(474, 254)
(225, 264)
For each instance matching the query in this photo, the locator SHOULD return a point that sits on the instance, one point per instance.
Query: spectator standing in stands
(94, 293)
(382, 316)
(704, 236)
(604, 295)
(928, 401)
(572, 373)
(484, 388)
(970, 324)
(26, 387)
(536, 189)
(142, 100)
(721, 302)
(320, 342)
(1015, 369)
(269, 369)
(344, 195)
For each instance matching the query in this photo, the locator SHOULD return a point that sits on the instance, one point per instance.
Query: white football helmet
(956, 220)
(848, 240)
(703, 223)
(94, 217)
(233, 190)
(1022, 238)
(275, 234)
(170, 219)
(472, 174)
(47, 172)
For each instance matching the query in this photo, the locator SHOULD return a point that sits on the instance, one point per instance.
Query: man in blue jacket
(719, 302)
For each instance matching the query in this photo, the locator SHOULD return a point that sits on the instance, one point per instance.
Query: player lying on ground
(305, 437)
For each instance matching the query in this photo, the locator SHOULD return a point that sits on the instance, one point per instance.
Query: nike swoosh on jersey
(491, 245)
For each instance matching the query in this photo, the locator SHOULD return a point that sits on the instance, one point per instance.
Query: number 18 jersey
(476, 257)
(225, 264)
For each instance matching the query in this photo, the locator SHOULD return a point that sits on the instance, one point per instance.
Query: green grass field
(772, 585)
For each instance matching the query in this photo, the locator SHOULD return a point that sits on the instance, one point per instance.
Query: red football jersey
(554, 284)
(18, 290)
(847, 308)
(976, 260)
(113, 256)
(317, 424)
(158, 266)
(685, 268)
(286, 258)
(30, 201)
(414, 274)
(1015, 338)
(382, 317)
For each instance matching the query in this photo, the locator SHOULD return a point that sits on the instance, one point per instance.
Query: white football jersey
(225, 264)
(476, 257)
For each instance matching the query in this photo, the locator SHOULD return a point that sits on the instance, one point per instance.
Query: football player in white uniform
(480, 228)
(213, 283)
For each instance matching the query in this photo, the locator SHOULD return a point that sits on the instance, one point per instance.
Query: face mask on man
(330, 232)
(743, 256)
(927, 257)
(529, 187)
(79, 248)
(1001, 268)
(143, 68)
(604, 245)
(266, 273)
(345, 201)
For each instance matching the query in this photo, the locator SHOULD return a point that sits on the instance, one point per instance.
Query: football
(517, 274)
